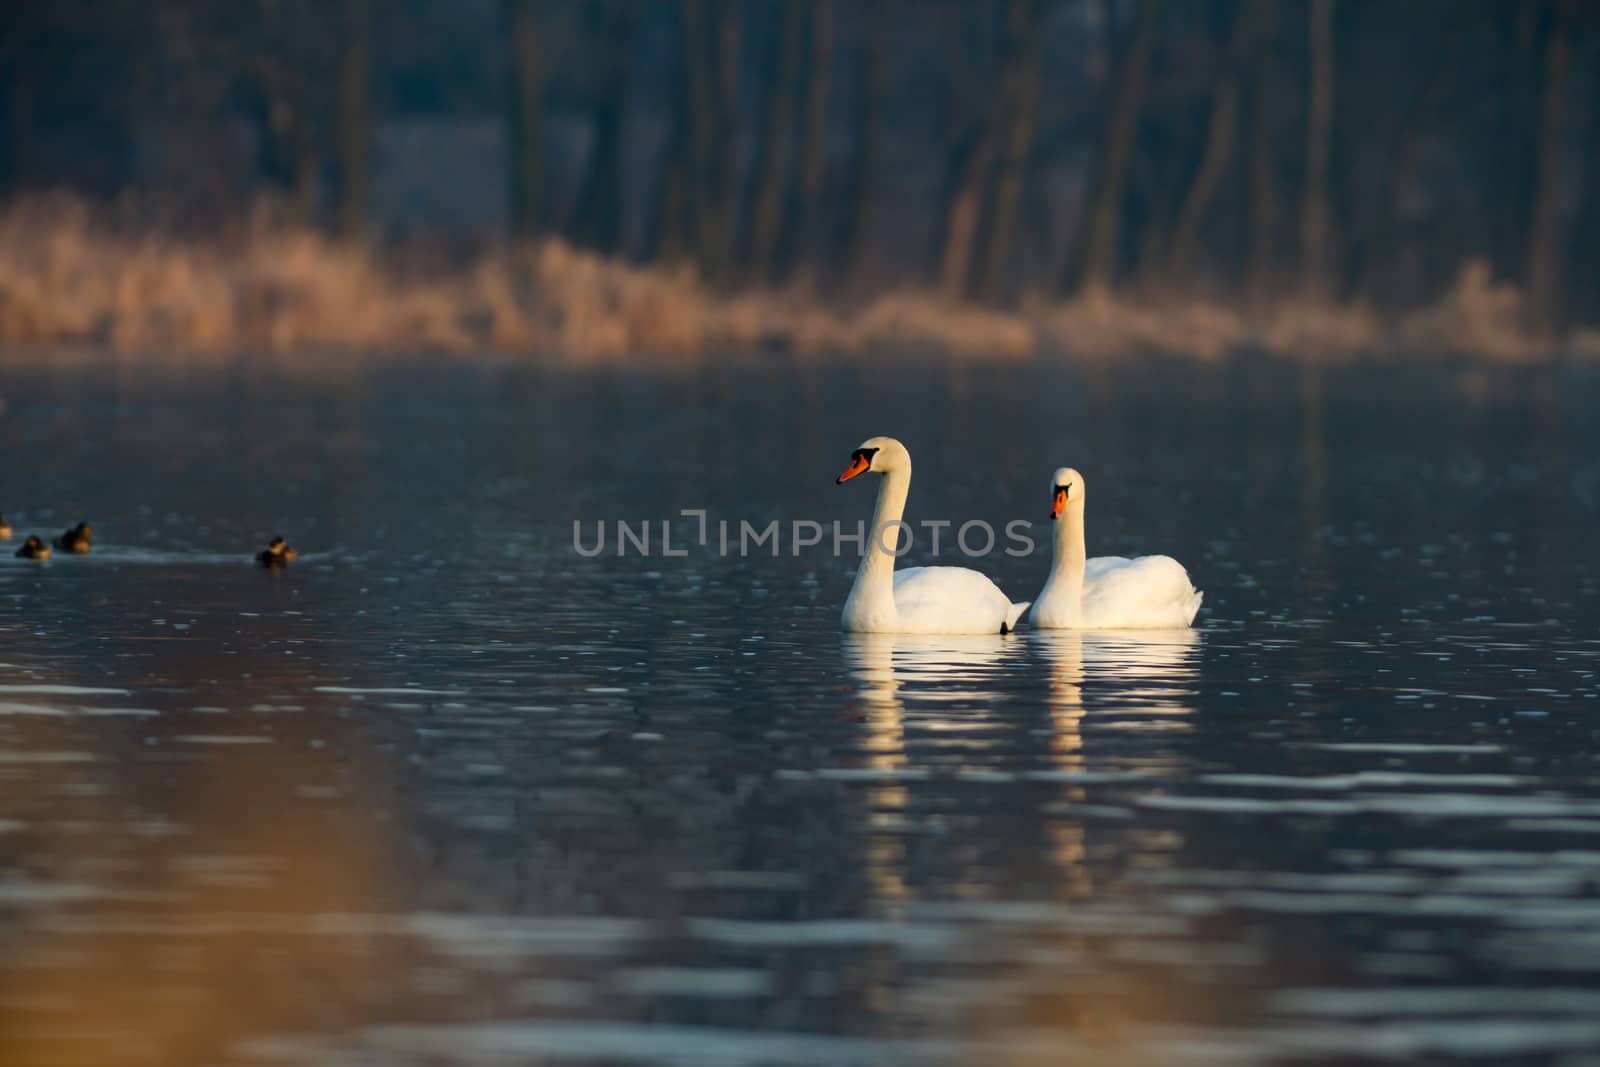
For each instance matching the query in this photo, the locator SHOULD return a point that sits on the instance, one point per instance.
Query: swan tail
(1013, 613)
(1193, 607)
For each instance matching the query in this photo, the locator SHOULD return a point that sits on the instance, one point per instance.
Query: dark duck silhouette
(33, 548)
(277, 553)
(75, 539)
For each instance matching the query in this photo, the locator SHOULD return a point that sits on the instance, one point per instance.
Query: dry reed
(70, 276)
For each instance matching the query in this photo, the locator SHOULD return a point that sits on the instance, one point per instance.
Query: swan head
(880, 455)
(1066, 488)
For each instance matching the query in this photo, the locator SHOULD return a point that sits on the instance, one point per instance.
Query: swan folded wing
(949, 600)
(1149, 591)
(1094, 568)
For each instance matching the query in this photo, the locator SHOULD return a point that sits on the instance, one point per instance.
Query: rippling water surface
(446, 792)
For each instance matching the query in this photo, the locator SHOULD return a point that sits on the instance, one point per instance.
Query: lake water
(446, 792)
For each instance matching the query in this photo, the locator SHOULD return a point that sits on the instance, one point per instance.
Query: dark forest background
(989, 150)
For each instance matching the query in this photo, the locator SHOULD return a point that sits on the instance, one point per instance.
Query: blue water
(444, 791)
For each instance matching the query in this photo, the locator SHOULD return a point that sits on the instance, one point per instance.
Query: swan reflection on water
(1149, 672)
(1135, 672)
(970, 704)
(948, 680)
(955, 666)
(1133, 679)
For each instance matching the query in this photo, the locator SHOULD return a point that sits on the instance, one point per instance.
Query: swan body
(1108, 592)
(917, 600)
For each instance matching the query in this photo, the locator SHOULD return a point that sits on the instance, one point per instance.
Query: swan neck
(877, 561)
(1068, 556)
(871, 605)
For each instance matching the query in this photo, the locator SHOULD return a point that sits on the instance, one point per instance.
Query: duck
(916, 600)
(33, 548)
(277, 553)
(1107, 592)
(76, 539)
(5, 529)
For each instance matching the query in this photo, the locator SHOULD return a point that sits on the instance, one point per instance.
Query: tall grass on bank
(70, 275)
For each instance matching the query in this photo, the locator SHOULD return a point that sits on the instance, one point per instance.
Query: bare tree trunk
(1221, 133)
(814, 156)
(669, 230)
(699, 46)
(1022, 103)
(289, 157)
(1150, 225)
(857, 193)
(671, 240)
(599, 205)
(303, 191)
(1586, 307)
(730, 35)
(1509, 158)
(20, 142)
(1261, 181)
(289, 163)
(527, 112)
(1545, 246)
(1319, 136)
(772, 170)
(1102, 234)
(711, 32)
(955, 159)
(1401, 158)
(355, 118)
(965, 211)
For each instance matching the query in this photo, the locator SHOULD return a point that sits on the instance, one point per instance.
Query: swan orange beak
(858, 465)
(1059, 505)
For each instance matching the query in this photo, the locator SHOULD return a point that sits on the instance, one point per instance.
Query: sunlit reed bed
(71, 276)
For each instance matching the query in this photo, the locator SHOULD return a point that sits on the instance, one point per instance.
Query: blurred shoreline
(72, 276)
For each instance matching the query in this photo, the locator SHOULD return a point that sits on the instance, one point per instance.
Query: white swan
(1108, 592)
(917, 600)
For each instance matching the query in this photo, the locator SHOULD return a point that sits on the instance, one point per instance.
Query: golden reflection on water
(1098, 683)
(1132, 679)
(1063, 650)
(871, 659)
(174, 879)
